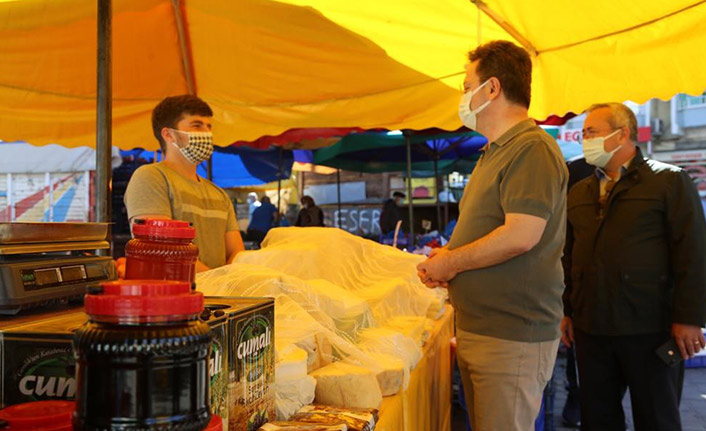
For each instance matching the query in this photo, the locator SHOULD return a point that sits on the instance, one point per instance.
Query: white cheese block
(293, 394)
(411, 326)
(391, 373)
(291, 364)
(344, 385)
(393, 343)
(318, 349)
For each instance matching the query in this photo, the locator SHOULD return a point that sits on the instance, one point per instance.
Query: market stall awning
(376, 152)
(268, 66)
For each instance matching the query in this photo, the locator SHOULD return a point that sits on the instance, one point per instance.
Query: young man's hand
(120, 267)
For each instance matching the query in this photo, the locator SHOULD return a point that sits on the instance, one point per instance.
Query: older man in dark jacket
(638, 276)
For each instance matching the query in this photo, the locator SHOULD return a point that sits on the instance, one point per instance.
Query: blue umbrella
(238, 166)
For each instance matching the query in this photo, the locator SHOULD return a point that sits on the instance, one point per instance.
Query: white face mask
(194, 146)
(469, 116)
(595, 153)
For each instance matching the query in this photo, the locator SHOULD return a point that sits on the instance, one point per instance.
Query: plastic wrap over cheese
(342, 303)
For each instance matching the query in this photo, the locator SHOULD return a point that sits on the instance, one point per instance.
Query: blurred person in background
(310, 214)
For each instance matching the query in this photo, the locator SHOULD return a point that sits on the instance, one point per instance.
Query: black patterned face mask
(194, 146)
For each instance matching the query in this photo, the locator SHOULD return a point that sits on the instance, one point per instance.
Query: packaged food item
(161, 250)
(301, 426)
(37, 358)
(251, 360)
(355, 419)
(143, 345)
(38, 362)
(218, 361)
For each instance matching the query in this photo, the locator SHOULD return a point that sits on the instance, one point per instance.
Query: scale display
(45, 277)
(42, 278)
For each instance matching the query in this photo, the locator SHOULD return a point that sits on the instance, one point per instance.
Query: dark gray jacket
(639, 264)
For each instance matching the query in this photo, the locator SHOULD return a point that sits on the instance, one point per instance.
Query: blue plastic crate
(698, 361)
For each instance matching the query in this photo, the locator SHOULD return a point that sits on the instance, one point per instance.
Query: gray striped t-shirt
(159, 189)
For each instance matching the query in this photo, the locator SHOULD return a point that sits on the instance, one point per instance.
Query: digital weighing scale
(47, 263)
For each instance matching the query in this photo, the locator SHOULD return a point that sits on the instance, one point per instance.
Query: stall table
(426, 404)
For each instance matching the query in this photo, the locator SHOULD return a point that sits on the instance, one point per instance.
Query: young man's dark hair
(510, 64)
(170, 111)
(399, 195)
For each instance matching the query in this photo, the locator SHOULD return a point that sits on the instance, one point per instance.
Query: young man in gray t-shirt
(171, 189)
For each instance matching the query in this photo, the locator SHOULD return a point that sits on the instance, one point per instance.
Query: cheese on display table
(349, 312)
(344, 385)
(293, 387)
(392, 374)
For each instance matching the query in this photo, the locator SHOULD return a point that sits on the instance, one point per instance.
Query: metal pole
(10, 199)
(209, 168)
(302, 184)
(436, 186)
(51, 196)
(46, 200)
(408, 142)
(279, 181)
(447, 188)
(184, 47)
(104, 110)
(338, 190)
(87, 195)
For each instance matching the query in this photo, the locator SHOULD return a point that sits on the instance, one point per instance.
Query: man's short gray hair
(620, 116)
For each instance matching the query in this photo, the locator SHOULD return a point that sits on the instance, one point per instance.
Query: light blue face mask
(594, 150)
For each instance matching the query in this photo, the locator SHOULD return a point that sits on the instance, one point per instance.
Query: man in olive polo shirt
(503, 263)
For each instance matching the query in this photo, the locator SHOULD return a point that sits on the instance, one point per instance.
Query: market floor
(693, 404)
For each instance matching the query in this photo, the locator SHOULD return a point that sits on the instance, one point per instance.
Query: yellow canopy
(267, 66)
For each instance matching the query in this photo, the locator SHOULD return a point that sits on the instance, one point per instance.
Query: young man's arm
(234, 245)
(234, 242)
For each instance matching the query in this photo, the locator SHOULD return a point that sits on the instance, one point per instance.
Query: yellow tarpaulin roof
(267, 66)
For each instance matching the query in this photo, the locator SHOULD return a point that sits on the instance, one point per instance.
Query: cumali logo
(253, 342)
(215, 363)
(50, 378)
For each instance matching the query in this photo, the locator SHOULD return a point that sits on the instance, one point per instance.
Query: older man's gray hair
(621, 116)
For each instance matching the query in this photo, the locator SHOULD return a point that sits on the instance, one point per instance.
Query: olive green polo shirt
(524, 172)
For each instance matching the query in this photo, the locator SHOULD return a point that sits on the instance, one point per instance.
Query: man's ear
(494, 86)
(166, 135)
(625, 132)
